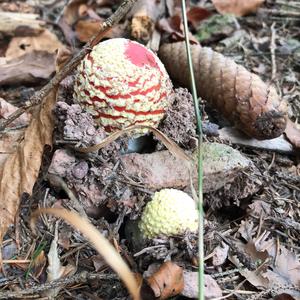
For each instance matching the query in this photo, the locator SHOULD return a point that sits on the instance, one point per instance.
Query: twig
(38, 97)
(272, 49)
(79, 278)
(201, 280)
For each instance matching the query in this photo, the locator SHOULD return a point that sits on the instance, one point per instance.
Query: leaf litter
(251, 221)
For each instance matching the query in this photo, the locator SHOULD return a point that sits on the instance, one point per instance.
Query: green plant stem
(199, 156)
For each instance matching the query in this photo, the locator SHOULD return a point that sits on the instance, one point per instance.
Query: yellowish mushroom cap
(170, 212)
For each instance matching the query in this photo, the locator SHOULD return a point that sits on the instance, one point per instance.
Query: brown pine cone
(241, 96)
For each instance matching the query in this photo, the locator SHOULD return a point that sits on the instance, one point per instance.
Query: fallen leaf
(292, 132)
(197, 14)
(55, 269)
(46, 41)
(167, 281)
(62, 57)
(260, 208)
(29, 68)
(173, 26)
(190, 290)
(237, 7)
(38, 264)
(85, 29)
(72, 11)
(285, 272)
(21, 168)
(220, 254)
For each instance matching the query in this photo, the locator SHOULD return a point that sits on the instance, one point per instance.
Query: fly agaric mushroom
(122, 83)
(170, 212)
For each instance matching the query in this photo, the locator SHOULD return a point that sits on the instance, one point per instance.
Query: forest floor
(251, 187)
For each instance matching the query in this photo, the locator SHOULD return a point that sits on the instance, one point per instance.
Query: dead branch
(38, 97)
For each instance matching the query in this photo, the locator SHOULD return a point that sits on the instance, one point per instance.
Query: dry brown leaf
(196, 15)
(29, 68)
(237, 7)
(38, 264)
(21, 168)
(167, 281)
(104, 248)
(292, 132)
(46, 41)
(72, 11)
(85, 29)
(62, 57)
(174, 26)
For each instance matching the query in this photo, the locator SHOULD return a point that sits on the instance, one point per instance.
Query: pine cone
(241, 96)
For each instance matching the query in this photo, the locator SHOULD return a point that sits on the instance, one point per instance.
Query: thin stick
(33, 290)
(38, 97)
(16, 261)
(272, 50)
(200, 156)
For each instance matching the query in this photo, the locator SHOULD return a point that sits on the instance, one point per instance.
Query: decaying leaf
(104, 248)
(277, 267)
(237, 7)
(46, 41)
(167, 281)
(20, 169)
(29, 68)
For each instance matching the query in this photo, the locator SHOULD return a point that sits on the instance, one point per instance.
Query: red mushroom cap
(123, 83)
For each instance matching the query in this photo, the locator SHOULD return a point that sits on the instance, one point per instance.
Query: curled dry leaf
(20, 169)
(167, 281)
(104, 248)
(237, 7)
